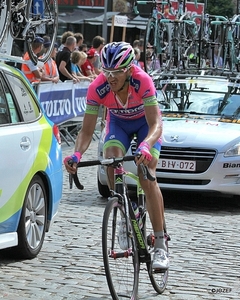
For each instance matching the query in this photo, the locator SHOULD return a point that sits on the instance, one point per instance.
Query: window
(29, 108)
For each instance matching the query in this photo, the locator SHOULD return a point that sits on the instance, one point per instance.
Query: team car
(201, 135)
(30, 166)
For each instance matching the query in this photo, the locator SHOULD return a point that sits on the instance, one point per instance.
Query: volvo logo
(174, 138)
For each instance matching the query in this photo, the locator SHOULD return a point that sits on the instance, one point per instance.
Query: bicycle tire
(150, 39)
(156, 36)
(159, 278)
(49, 26)
(4, 19)
(122, 273)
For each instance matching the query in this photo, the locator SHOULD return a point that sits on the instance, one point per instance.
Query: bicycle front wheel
(121, 266)
(42, 22)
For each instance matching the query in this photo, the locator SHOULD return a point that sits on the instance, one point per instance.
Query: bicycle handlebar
(114, 162)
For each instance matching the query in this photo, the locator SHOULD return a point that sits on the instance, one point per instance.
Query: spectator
(83, 48)
(79, 40)
(135, 44)
(98, 43)
(141, 48)
(50, 66)
(87, 67)
(137, 57)
(63, 60)
(78, 58)
(31, 71)
(65, 35)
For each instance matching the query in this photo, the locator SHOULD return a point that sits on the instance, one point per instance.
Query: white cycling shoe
(160, 259)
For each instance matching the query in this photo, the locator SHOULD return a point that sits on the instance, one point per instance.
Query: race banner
(63, 101)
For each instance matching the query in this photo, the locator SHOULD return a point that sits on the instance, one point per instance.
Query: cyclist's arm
(154, 121)
(85, 134)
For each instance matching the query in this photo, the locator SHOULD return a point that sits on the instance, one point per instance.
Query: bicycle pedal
(167, 236)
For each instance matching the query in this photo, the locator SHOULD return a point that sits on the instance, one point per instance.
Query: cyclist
(129, 95)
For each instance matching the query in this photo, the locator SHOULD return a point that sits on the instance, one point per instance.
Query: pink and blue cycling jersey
(141, 93)
(124, 121)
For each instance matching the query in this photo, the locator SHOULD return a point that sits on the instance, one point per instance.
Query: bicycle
(122, 266)
(156, 38)
(25, 19)
(229, 44)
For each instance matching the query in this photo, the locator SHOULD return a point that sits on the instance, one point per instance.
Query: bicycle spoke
(121, 266)
(41, 23)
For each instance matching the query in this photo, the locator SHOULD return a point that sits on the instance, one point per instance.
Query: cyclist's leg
(116, 142)
(154, 201)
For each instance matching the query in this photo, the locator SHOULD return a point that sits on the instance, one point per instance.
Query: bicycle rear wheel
(41, 23)
(158, 278)
(4, 19)
(121, 266)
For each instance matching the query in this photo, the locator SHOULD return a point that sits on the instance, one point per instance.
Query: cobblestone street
(204, 249)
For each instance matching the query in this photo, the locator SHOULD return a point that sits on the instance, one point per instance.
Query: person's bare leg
(112, 152)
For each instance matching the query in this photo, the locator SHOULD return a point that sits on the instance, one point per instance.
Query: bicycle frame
(122, 194)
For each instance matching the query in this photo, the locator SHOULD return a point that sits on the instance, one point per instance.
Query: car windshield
(205, 96)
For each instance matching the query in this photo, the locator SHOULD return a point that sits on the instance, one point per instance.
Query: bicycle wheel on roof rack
(236, 39)
(4, 19)
(44, 23)
(156, 39)
(217, 39)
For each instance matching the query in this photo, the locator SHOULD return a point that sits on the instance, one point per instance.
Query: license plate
(175, 164)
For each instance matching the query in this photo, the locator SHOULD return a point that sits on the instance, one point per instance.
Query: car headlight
(233, 151)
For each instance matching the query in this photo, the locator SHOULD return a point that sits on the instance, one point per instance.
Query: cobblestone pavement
(204, 249)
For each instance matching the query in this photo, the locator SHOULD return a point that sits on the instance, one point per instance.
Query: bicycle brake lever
(70, 177)
(146, 173)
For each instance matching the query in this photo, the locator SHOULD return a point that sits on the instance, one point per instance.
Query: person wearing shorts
(129, 95)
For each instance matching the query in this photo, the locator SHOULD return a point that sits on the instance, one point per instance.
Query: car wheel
(33, 221)
(103, 190)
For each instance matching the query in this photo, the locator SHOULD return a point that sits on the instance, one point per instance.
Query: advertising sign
(63, 101)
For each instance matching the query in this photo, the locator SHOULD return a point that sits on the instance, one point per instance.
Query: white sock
(160, 241)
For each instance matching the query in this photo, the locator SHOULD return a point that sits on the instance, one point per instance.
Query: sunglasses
(114, 73)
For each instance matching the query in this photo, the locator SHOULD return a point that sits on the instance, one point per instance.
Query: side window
(27, 104)
(4, 112)
(8, 110)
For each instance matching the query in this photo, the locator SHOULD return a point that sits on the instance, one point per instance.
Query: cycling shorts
(120, 132)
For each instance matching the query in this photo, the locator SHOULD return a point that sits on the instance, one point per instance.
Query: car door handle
(25, 143)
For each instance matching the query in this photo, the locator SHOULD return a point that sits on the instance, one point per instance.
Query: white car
(30, 167)
(201, 135)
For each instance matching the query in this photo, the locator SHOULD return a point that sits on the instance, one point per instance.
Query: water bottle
(137, 214)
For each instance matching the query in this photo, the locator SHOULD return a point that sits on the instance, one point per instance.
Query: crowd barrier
(64, 103)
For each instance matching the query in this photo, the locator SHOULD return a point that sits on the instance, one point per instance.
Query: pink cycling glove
(76, 157)
(144, 148)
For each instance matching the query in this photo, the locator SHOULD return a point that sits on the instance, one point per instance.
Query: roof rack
(194, 72)
(17, 59)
